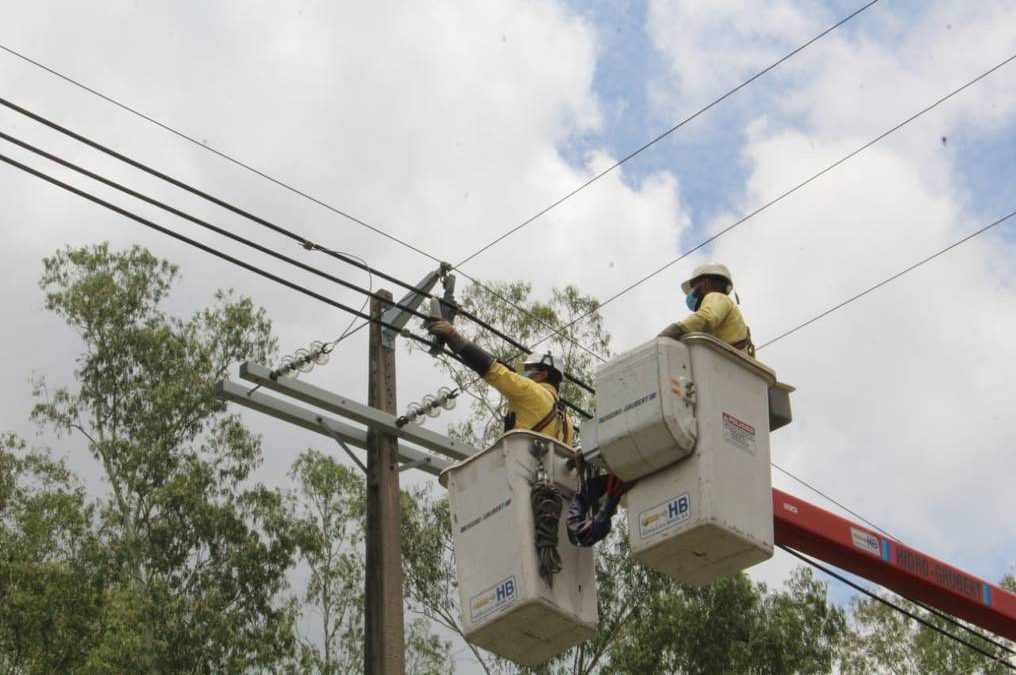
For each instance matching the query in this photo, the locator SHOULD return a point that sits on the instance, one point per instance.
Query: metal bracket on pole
(357, 412)
(396, 317)
(356, 460)
(313, 420)
(415, 464)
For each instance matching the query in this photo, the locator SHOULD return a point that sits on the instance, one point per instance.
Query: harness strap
(556, 411)
(745, 344)
(539, 426)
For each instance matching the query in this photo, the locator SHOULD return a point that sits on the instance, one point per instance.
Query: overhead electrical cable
(368, 226)
(344, 257)
(198, 221)
(932, 610)
(819, 492)
(300, 239)
(370, 293)
(303, 241)
(341, 306)
(924, 622)
(787, 193)
(209, 249)
(204, 247)
(668, 132)
(891, 278)
(266, 176)
(218, 153)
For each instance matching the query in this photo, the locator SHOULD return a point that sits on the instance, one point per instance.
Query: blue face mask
(692, 299)
(525, 374)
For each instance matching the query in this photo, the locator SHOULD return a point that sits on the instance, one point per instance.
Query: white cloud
(712, 46)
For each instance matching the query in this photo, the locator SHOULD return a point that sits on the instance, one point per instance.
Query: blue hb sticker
(664, 516)
(506, 589)
(499, 596)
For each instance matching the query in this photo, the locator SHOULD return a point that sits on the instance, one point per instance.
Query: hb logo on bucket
(664, 516)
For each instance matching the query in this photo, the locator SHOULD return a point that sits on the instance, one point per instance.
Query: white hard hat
(546, 359)
(710, 269)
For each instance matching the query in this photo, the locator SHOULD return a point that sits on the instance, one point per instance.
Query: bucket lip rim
(729, 352)
(558, 447)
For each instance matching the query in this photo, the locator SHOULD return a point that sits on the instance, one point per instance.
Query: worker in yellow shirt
(707, 295)
(532, 395)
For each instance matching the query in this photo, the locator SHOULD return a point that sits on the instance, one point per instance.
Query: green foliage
(428, 574)
(648, 622)
(330, 517)
(885, 640)
(51, 564)
(197, 557)
(331, 522)
(733, 626)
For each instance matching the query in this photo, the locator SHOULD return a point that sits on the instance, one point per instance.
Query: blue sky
(627, 66)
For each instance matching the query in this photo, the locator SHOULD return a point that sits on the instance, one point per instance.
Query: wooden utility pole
(384, 652)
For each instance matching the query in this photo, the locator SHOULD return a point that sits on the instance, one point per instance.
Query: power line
(817, 491)
(668, 132)
(221, 231)
(317, 296)
(346, 257)
(789, 192)
(343, 307)
(204, 247)
(902, 610)
(305, 243)
(218, 153)
(923, 606)
(197, 221)
(310, 245)
(300, 239)
(892, 278)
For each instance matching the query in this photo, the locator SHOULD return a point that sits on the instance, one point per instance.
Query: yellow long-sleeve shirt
(720, 317)
(530, 401)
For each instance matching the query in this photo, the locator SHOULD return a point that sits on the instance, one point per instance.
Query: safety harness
(746, 344)
(557, 411)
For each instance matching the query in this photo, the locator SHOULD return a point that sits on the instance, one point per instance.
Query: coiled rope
(547, 503)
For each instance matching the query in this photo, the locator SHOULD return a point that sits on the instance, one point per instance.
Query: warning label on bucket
(738, 433)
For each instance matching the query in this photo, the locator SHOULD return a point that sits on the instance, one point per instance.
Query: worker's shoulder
(722, 299)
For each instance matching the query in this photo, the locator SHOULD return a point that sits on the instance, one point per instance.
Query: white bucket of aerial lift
(507, 608)
(710, 515)
(645, 410)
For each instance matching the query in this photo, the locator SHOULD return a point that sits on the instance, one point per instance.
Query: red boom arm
(852, 547)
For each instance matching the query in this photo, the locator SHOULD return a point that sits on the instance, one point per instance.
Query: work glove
(673, 331)
(472, 355)
(442, 329)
